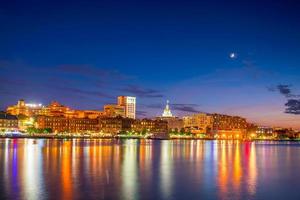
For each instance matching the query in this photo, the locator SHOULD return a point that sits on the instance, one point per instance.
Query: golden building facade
(200, 122)
(8, 122)
(60, 124)
(150, 125)
(114, 125)
(229, 127)
(22, 108)
(54, 109)
(113, 110)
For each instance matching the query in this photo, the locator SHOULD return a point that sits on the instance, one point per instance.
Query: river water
(148, 169)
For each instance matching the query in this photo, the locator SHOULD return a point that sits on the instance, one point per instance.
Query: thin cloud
(84, 92)
(141, 113)
(283, 89)
(89, 70)
(293, 106)
(141, 92)
(191, 108)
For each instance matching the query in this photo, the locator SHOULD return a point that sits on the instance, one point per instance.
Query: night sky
(85, 54)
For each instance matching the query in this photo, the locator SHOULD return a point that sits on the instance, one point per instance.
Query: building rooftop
(3, 115)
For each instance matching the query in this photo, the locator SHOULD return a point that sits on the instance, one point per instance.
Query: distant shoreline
(134, 137)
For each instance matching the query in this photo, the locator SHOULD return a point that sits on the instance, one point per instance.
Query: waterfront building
(113, 110)
(228, 127)
(129, 104)
(264, 131)
(227, 122)
(114, 125)
(83, 125)
(8, 122)
(198, 123)
(149, 125)
(25, 122)
(174, 124)
(151, 128)
(59, 124)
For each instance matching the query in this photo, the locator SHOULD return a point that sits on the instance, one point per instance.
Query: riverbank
(51, 136)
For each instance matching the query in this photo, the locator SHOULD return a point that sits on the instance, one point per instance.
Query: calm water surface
(147, 169)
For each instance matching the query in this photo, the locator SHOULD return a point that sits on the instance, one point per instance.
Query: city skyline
(243, 61)
(113, 109)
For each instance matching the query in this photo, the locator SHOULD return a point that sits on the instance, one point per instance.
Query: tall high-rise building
(129, 104)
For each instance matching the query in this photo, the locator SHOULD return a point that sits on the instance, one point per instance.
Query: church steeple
(167, 112)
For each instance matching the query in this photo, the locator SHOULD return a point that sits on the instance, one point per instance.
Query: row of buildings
(105, 125)
(212, 125)
(220, 126)
(121, 117)
(113, 119)
(125, 107)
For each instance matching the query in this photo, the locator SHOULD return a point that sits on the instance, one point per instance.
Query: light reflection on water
(147, 169)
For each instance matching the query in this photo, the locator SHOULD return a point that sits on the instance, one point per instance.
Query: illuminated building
(150, 125)
(228, 127)
(56, 109)
(114, 125)
(25, 122)
(174, 123)
(219, 125)
(129, 104)
(8, 122)
(154, 128)
(113, 110)
(167, 112)
(198, 123)
(91, 114)
(264, 130)
(26, 109)
(63, 124)
(29, 110)
(83, 124)
(19, 109)
(226, 122)
(284, 133)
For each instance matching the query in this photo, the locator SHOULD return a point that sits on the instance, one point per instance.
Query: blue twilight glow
(213, 56)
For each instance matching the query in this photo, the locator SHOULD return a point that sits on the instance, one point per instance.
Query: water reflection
(139, 169)
(166, 169)
(130, 171)
(32, 164)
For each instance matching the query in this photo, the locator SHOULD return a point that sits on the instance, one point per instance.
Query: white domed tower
(167, 112)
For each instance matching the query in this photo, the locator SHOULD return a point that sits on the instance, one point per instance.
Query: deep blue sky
(85, 54)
